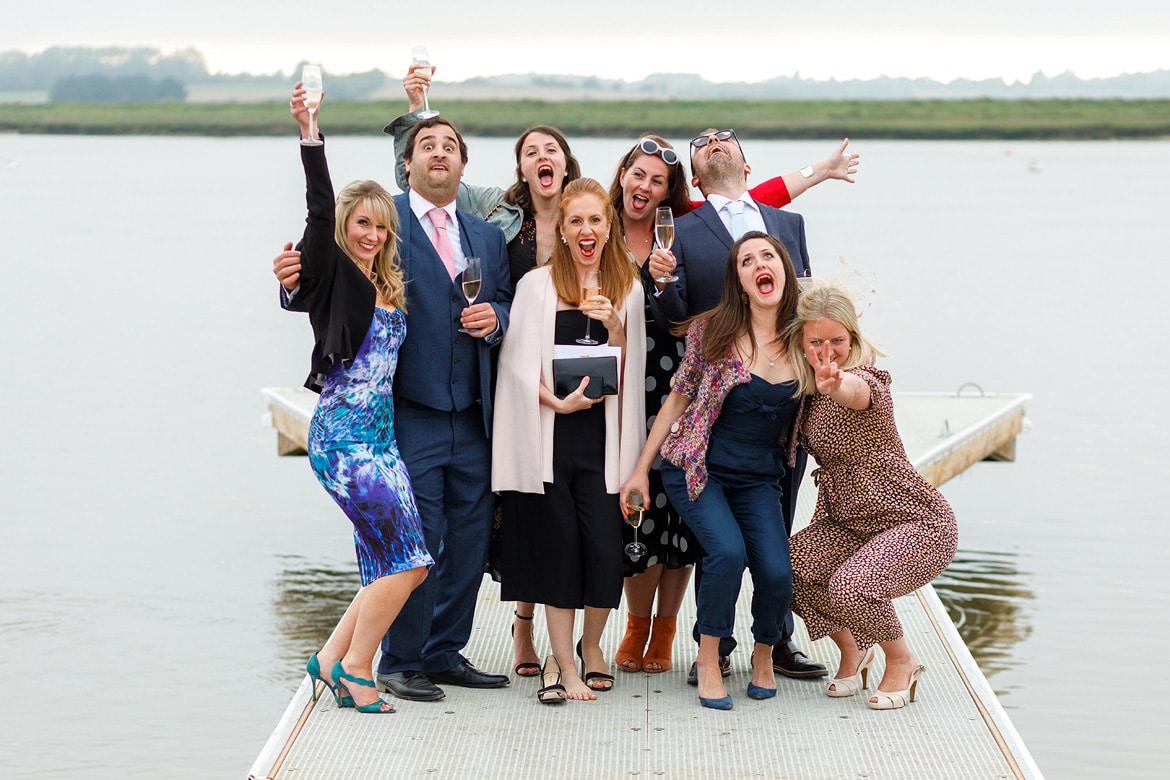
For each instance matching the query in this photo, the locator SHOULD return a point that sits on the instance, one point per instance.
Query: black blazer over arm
(336, 293)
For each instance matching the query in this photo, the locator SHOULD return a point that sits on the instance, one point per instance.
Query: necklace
(771, 360)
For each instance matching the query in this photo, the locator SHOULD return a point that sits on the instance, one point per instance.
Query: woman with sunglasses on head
(651, 175)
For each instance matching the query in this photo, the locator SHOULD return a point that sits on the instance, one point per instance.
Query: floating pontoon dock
(651, 725)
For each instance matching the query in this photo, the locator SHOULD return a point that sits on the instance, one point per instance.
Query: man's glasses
(699, 141)
(650, 146)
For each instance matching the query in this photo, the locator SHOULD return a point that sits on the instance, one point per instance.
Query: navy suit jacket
(433, 303)
(701, 246)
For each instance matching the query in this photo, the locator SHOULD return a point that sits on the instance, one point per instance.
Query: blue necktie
(738, 225)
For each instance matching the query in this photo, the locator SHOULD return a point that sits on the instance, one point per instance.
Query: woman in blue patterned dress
(354, 292)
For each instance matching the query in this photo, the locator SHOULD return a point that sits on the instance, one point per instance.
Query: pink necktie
(441, 242)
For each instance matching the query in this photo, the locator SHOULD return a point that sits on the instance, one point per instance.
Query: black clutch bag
(602, 373)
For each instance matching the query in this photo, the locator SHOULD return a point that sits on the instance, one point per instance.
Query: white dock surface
(651, 725)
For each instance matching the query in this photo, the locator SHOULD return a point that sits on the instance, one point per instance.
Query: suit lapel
(710, 217)
(771, 219)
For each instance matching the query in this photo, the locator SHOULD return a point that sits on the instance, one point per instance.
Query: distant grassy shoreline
(897, 119)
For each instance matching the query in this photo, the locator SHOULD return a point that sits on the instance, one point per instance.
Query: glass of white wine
(314, 91)
(590, 286)
(636, 508)
(420, 56)
(472, 283)
(664, 236)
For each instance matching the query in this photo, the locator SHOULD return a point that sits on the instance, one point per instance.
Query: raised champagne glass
(664, 236)
(421, 57)
(472, 282)
(314, 91)
(590, 286)
(635, 508)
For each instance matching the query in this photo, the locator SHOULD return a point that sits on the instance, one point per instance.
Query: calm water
(165, 574)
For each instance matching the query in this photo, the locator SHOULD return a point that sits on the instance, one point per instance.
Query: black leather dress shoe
(467, 676)
(724, 670)
(790, 661)
(412, 686)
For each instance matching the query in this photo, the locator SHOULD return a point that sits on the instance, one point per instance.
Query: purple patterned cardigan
(706, 384)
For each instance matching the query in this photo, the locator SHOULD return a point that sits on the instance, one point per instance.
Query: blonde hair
(830, 299)
(615, 268)
(385, 273)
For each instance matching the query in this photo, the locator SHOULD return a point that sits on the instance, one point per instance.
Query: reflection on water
(310, 599)
(984, 593)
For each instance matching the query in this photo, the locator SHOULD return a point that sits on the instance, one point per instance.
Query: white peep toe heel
(841, 687)
(896, 700)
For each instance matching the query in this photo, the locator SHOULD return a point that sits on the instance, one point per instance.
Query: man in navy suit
(442, 412)
(703, 239)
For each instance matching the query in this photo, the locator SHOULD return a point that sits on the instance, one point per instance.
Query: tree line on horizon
(56, 70)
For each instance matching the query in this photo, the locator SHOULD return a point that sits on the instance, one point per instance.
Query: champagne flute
(590, 286)
(664, 236)
(314, 91)
(636, 507)
(472, 282)
(420, 56)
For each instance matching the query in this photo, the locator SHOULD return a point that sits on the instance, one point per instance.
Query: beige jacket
(522, 438)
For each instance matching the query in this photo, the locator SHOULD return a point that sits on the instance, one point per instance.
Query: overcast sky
(749, 40)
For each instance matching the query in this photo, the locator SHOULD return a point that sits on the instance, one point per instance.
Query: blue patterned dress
(355, 457)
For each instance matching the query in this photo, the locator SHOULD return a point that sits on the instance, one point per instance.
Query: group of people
(443, 436)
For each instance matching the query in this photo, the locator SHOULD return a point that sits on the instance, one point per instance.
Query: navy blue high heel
(313, 667)
(724, 703)
(376, 707)
(760, 692)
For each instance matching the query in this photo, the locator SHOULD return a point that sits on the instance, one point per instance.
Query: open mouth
(545, 174)
(587, 246)
(765, 283)
(639, 202)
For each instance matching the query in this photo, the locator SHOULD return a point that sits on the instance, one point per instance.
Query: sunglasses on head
(650, 146)
(699, 141)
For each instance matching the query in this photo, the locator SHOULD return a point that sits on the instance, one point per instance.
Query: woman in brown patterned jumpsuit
(879, 530)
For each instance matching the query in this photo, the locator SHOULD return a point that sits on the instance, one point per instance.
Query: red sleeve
(773, 192)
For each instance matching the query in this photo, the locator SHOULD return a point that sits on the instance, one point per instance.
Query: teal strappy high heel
(313, 667)
(374, 706)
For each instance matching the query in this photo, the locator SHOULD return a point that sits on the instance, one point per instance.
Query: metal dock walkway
(651, 725)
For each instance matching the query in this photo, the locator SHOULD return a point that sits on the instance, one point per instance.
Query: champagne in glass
(636, 508)
(472, 282)
(314, 91)
(590, 286)
(664, 236)
(420, 56)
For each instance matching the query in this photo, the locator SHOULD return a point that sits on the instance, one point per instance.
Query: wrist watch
(807, 171)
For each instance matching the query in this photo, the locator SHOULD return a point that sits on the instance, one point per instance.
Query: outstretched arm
(782, 190)
(844, 388)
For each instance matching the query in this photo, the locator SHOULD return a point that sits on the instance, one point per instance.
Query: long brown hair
(519, 194)
(731, 317)
(678, 193)
(616, 270)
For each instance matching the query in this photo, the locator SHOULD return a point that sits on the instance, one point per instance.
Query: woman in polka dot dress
(879, 530)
